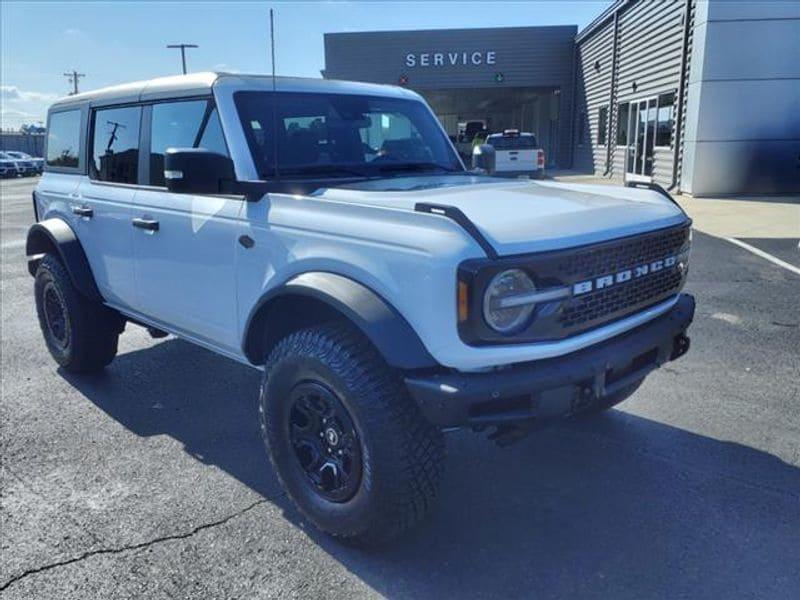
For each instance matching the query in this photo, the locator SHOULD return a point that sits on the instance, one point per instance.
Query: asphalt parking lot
(151, 480)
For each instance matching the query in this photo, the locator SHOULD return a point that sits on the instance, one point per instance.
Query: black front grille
(640, 292)
(612, 258)
(584, 309)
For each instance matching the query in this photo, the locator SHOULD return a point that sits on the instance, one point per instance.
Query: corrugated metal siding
(649, 59)
(593, 89)
(692, 9)
(662, 166)
(649, 46)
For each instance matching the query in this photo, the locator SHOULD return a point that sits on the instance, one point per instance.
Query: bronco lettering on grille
(584, 287)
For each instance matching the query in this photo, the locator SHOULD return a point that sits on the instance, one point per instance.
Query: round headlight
(503, 308)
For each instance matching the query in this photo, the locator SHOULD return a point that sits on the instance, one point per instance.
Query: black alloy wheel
(325, 441)
(55, 315)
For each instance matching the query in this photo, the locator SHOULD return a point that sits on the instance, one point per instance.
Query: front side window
(64, 139)
(186, 124)
(602, 125)
(341, 135)
(115, 144)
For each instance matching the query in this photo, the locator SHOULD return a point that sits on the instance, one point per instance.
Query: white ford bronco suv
(328, 234)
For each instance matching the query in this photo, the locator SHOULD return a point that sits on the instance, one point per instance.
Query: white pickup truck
(328, 234)
(517, 154)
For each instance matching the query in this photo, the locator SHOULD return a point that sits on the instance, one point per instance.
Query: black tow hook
(680, 346)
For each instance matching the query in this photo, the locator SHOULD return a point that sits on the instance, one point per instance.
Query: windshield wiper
(415, 166)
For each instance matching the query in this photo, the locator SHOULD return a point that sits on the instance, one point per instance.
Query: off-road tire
(401, 453)
(91, 329)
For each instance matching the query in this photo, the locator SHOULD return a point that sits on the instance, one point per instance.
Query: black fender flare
(379, 321)
(55, 235)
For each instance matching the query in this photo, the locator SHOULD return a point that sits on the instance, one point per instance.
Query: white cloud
(18, 106)
(11, 93)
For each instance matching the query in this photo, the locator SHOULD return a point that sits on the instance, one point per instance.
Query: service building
(701, 96)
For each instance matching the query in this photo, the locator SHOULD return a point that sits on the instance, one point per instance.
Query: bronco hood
(520, 216)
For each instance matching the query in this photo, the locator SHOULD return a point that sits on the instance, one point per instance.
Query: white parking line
(764, 255)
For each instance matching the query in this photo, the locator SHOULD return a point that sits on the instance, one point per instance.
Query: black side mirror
(196, 171)
(483, 158)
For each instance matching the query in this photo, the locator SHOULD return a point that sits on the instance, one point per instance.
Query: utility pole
(73, 79)
(183, 48)
(113, 137)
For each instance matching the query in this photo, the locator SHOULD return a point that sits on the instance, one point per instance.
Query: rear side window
(64, 139)
(188, 124)
(115, 144)
(522, 142)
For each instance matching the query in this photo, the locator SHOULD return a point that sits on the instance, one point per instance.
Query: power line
(183, 48)
(73, 79)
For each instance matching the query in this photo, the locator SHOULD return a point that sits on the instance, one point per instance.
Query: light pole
(183, 48)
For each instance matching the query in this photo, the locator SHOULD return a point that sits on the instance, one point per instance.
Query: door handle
(146, 224)
(83, 211)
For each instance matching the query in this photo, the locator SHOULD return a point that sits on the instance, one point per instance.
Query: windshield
(341, 135)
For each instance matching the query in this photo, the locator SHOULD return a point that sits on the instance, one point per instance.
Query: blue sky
(114, 42)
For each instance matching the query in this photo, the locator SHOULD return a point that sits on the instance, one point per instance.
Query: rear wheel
(347, 442)
(80, 334)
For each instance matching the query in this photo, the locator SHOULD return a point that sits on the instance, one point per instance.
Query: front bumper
(555, 387)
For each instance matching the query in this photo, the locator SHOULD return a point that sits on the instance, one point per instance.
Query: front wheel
(347, 442)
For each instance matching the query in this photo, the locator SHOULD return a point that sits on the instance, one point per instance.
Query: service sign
(474, 58)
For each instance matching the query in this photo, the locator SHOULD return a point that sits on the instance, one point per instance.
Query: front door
(185, 246)
(641, 140)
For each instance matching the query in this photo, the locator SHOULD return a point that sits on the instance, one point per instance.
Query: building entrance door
(641, 140)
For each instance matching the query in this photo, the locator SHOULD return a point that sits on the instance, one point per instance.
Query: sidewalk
(764, 217)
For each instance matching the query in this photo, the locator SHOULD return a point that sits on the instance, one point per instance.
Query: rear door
(185, 245)
(103, 203)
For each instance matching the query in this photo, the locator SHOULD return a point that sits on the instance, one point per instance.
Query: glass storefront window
(664, 126)
(622, 124)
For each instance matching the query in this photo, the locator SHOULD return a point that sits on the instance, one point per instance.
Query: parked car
(328, 234)
(8, 166)
(28, 164)
(517, 154)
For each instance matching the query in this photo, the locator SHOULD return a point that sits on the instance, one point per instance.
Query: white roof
(196, 84)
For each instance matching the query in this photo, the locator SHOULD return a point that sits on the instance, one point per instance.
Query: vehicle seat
(302, 148)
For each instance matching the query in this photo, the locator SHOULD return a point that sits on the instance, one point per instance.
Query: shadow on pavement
(615, 507)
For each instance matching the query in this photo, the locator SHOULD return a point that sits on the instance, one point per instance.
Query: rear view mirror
(196, 171)
(483, 158)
